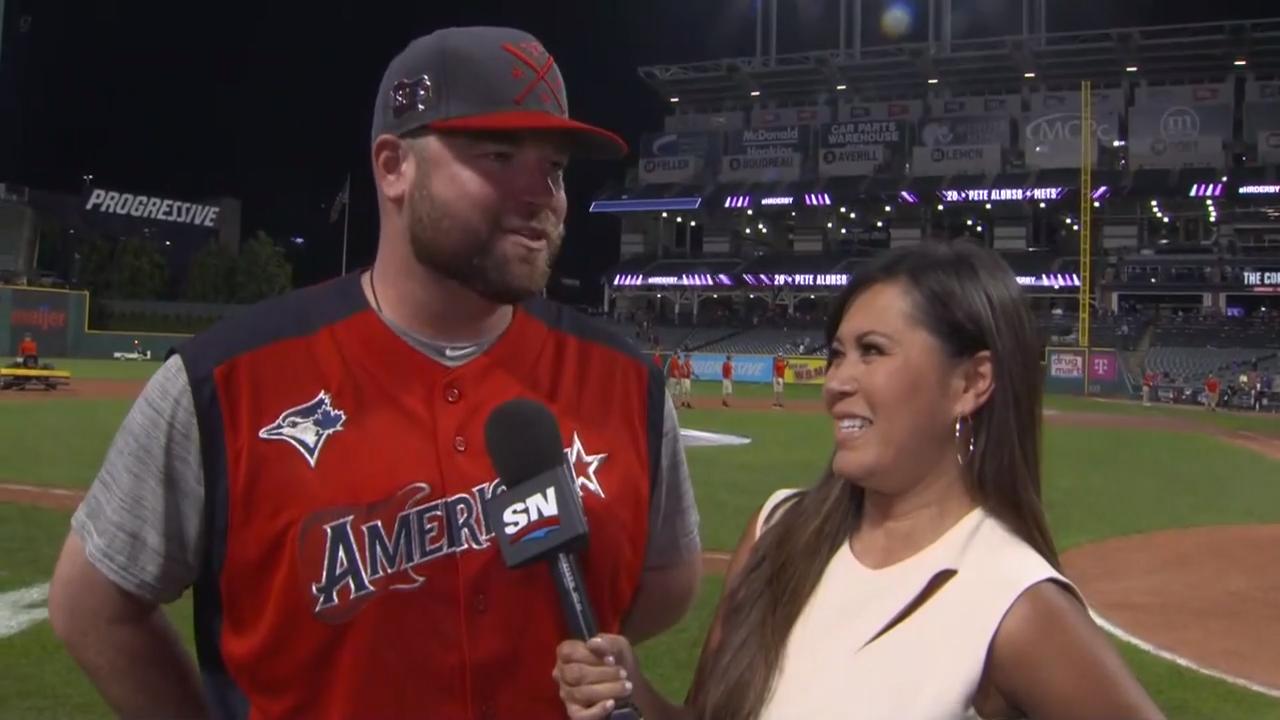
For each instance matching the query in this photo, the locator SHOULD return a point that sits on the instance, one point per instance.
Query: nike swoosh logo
(453, 352)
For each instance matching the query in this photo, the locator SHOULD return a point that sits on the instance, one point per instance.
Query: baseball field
(1168, 519)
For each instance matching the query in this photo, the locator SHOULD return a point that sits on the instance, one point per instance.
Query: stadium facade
(775, 176)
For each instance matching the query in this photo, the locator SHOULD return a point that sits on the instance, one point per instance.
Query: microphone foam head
(523, 440)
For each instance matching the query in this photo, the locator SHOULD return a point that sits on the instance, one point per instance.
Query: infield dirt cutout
(1202, 596)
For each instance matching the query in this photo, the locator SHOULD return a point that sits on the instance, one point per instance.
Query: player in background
(686, 380)
(27, 348)
(675, 377)
(726, 380)
(1211, 389)
(780, 365)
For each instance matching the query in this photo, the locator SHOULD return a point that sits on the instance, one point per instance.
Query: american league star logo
(584, 466)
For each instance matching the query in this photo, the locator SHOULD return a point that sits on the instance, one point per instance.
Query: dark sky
(271, 101)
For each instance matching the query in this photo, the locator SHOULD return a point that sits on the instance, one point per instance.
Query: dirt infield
(1205, 595)
(82, 389)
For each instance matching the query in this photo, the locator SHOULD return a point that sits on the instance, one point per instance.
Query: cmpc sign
(1002, 194)
(152, 208)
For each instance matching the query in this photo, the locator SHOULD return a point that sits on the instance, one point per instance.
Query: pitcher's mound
(1207, 594)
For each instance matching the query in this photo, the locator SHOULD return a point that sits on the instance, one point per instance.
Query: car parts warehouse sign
(153, 208)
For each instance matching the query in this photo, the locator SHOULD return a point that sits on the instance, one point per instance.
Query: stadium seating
(1190, 365)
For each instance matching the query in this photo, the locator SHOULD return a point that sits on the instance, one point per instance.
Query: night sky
(270, 102)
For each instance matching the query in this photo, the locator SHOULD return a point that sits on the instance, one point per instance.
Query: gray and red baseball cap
(491, 79)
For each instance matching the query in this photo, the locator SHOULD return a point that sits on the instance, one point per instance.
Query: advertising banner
(1052, 140)
(680, 144)
(1169, 95)
(1256, 90)
(695, 122)
(1066, 364)
(967, 159)
(852, 161)
(1104, 366)
(840, 135)
(677, 157)
(806, 370)
(910, 110)
(680, 169)
(1269, 146)
(859, 147)
(1178, 122)
(1262, 278)
(1261, 116)
(781, 140)
(44, 314)
(760, 168)
(1204, 151)
(1103, 101)
(113, 202)
(746, 368)
(774, 117)
(988, 105)
(957, 131)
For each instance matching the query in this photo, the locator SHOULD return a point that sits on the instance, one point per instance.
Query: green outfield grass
(93, 369)
(1099, 483)
(62, 439)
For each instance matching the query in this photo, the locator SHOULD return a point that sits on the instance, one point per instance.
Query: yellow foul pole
(1086, 205)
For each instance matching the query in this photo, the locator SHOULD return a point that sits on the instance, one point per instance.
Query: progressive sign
(153, 208)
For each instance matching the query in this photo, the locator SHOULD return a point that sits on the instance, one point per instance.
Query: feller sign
(154, 208)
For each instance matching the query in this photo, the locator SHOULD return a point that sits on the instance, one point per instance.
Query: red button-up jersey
(350, 571)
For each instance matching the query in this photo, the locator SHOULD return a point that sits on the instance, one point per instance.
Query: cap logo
(410, 96)
(525, 54)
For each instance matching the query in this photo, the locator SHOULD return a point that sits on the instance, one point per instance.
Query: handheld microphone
(539, 514)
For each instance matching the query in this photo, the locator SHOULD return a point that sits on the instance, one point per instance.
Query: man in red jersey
(726, 380)
(315, 469)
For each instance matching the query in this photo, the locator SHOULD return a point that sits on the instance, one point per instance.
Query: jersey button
(452, 395)
(460, 444)
(486, 712)
(481, 604)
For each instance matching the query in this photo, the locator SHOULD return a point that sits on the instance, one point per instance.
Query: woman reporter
(917, 578)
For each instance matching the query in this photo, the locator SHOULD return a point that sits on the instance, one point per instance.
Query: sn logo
(533, 518)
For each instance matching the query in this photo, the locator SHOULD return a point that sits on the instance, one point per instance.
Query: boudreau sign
(152, 208)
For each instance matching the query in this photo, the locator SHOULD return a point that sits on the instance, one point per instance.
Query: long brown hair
(967, 298)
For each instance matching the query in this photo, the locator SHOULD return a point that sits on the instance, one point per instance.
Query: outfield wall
(801, 369)
(1072, 371)
(58, 321)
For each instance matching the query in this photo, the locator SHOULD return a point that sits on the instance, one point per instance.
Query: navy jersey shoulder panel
(583, 327)
(589, 329)
(295, 314)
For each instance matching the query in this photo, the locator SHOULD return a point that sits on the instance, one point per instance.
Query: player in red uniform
(726, 380)
(686, 380)
(779, 378)
(315, 469)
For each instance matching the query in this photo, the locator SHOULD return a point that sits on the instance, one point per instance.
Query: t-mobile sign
(1102, 366)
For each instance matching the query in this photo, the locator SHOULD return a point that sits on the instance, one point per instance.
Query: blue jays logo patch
(307, 426)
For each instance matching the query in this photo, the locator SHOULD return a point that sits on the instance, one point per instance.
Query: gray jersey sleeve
(141, 520)
(673, 514)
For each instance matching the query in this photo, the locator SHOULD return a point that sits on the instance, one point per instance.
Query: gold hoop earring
(963, 460)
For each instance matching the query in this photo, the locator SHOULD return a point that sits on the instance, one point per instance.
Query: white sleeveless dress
(928, 666)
